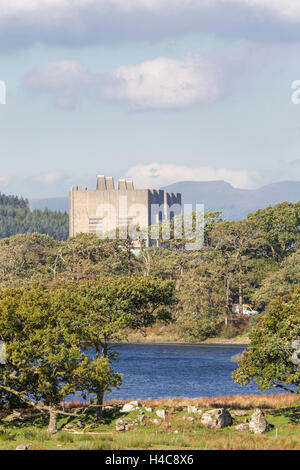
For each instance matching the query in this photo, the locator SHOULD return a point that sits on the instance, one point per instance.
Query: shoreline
(221, 342)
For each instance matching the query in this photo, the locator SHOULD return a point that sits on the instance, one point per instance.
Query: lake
(177, 370)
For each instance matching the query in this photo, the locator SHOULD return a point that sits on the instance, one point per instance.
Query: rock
(161, 413)
(123, 424)
(242, 427)
(199, 412)
(156, 421)
(217, 418)
(258, 423)
(120, 425)
(238, 413)
(149, 410)
(176, 431)
(188, 418)
(23, 447)
(136, 404)
(192, 409)
(141, 418)
(79, 424)
(68, 426)
(127, 408)
(13, 417)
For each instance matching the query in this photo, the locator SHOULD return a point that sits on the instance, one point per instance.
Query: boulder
(161, 413)
(188, 418)
(242, 427)
(258, 423)
(192, 409)
(23, 447)
(127, 408)
(136, 403)
(123, 425)
(217, 418)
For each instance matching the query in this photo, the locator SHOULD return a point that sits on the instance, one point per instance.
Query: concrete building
(105, 209)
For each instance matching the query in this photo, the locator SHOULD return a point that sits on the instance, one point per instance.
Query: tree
(111, 305)
(281, 281)
(237, 242)
(269, 360)
(280, 224)
(44, 361)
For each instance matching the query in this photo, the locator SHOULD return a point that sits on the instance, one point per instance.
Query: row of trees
(16, 217)
(45, 326)
(248, 261)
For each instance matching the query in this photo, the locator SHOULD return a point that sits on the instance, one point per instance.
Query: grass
(173, 433)
(160, 333)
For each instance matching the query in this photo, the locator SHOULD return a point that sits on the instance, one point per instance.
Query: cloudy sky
(156, 90)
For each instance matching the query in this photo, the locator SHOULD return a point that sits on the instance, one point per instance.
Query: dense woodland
(16, 217)
(248, 261)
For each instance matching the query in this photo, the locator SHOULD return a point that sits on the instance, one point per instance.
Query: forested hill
(16, 217)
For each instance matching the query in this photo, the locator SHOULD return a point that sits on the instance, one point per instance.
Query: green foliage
(280, 224)
(269, 359)
(16, 217)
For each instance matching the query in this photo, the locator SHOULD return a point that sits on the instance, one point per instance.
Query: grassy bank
(179, 430)
(169, 334)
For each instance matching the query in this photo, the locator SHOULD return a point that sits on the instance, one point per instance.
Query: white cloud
(156, 175)
(65, 79)
(25, 22)
(155, 84)
(51, 177)
(164, 83)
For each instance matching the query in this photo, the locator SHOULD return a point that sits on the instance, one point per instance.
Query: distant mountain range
(215, 195)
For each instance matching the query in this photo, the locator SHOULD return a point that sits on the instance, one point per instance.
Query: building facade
(107, 209)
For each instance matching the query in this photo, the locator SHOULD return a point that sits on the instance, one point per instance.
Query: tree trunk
(100, 398)
(52, 427)
(227, 301)
(240, 298)
(100, 391)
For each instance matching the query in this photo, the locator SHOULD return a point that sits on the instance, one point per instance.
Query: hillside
(216, 195)
(235, 203)
(16, 217)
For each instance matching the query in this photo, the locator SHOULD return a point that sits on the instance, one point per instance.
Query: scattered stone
(176, 432)
(217, 418)
(23, 447)
(141, 418)
(120, 425)
(192, 409)
(156, 421)
(188, 418)
(149, 410)
(136, 403)
(242, 427)
(258, 423)
(161, 413)
(79, 424)
(68, 426)
(199, 412)
(123, 425)
(15, 416)
(127, 408)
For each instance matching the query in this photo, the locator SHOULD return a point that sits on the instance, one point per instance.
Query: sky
(154, 90)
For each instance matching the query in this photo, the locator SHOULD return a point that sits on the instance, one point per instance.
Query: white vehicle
(247, 309)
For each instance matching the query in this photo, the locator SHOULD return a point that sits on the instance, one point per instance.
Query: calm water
(155, 370)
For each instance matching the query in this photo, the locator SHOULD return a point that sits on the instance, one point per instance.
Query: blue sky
(156, 90)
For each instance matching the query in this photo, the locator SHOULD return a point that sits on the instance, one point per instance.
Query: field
(180, 430)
